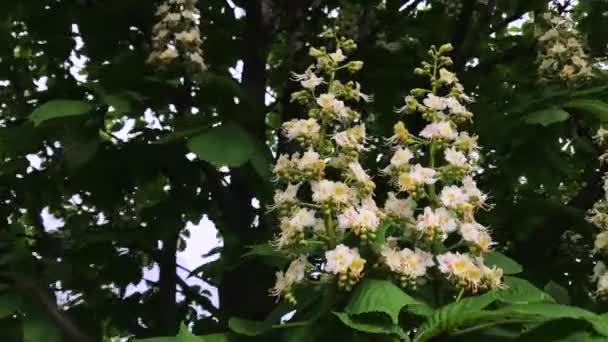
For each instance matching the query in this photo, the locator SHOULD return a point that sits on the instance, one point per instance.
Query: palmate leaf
(57, 109)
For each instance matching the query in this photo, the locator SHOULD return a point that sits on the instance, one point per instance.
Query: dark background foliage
(542, 178)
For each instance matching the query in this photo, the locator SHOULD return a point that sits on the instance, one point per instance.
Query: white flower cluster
(431, 217)
(176, 36)
(561, 49)
(329, 220)
(598, 216)
(325, 198)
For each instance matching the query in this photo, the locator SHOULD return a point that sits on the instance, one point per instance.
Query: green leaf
(255, 328)
(9, 304)
(249, 327)
(547, 117)
(57, 109)
(558, 292)
(185, 335)
(260, 160)
(374, 295)
(273, 120)
(521, 291)
(371, 326)
(508, 265)
(550, 311)
(37, 327)
(226, 145)
(453, 315)
(596, 108)
(563, 330)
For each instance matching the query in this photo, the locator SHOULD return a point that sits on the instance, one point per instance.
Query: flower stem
(432, 194)
(460, 295)
(331, 229)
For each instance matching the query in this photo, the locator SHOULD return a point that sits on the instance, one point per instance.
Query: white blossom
(452, 196)
(455, 157)
(337, 56)
(435, 102)
(401, 157)
(342, 259)
(441, 129)
(446, 76)
(402, 208)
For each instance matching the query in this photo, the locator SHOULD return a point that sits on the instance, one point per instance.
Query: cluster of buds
(561, 52)
(437, 195)
(176, 36)
(324, 196)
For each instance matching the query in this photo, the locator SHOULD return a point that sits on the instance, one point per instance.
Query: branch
(464, 23)
(194, 296)
(59, 318)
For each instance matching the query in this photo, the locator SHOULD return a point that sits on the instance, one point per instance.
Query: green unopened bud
(446, 48)
(419, 71)
(348, 45)
(355, 66)
(314, 52)
(418, 92)
(299, 96)
(447, 61)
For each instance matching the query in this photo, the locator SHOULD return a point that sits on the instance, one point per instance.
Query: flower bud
(348, 45)
(447, 61)
(419, 71)
(355, 66)
(446, 48)
(418, 92)
(314, 52)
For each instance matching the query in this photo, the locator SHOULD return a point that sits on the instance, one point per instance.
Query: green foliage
(58, 109)
(380, 296)
(547, 117)
(226, 145)
(508, 265)
(184, 335)
(111, 142)
(365, 325)
(593, 107)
